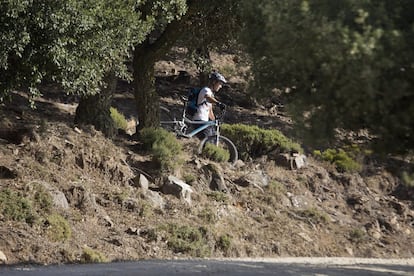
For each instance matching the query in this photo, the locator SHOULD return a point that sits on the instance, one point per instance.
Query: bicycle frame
(199, 129)
(180, 126)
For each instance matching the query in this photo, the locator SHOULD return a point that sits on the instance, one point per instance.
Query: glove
(221, 105)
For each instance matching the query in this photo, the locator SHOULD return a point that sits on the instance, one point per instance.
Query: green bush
(342, 160)
(253, 141)
(314, 215)
(119, 119)
(42, 199)
(58, 228)
(408, 179)
(92, 256)
(164, 147)
(215, 153)
(188, 239)
(224, 242)
(13, 206)
(357, 235)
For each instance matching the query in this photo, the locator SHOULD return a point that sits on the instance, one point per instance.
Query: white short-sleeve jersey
(203, 105)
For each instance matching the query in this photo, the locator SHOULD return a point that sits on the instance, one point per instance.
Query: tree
(213, 27)
(81, 45)
(346, 64)
(199, 25)
(169, 17)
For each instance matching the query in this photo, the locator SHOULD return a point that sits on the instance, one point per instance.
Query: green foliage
(42, 199)
(224, 242)
(72, 42)
(215, 153)
(357, 235)
(189, 178)
(314, 215)
(188, 239)
(339, 64)
(253, 141)
(58, 228)
(218, 196)
(214, 25)
(164, 147)
(208, 216)
(90, 255)
(14, 206)
(119, 119)
(340, 158)
(276, 187)
(408, 179)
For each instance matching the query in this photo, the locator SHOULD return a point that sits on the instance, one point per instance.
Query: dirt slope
(104, 214)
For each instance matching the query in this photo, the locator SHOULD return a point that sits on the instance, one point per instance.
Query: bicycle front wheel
(223, 143)
(166, 119)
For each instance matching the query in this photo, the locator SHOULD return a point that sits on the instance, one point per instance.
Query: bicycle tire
(166, 115)
(223, 142)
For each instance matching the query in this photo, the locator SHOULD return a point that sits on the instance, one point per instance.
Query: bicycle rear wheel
(166, 119)
(222, 142)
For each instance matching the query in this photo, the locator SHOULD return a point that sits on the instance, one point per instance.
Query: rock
(293, 161)
(215, 178)
(7, 173)
(58, 197)
(108, 221)
(132, 231)
(239, 164)
(155, 199)
(281, 159)
(258, 178)
(299, 161)
(141, 182)
(3, 258)
(177, 187)
(82, 199)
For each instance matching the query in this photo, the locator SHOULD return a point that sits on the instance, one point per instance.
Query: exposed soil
(265, 209)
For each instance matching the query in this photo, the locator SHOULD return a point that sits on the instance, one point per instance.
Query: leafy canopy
(345, 64)
(72, 42)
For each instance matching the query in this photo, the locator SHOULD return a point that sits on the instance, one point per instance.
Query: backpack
(192, 100)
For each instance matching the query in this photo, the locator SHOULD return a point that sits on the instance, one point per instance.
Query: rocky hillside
(69, 194)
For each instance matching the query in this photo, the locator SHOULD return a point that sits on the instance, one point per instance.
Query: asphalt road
(288, 266)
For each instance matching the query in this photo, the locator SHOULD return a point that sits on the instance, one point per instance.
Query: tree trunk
(145, 56)
(95, 110)
(146, 97)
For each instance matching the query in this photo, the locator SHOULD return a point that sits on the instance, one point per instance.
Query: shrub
(189, 178)
(357, 235)
(92, 256)
(188, 239)
(58, 228)
(314, 215)
(224, 242)
(164, 147)
(119, 119)
(42, 199)
(208, 216)
(215, 153)
(13, 206)
(408, 179)
(340, 158)
(252, 141)
(218, 196)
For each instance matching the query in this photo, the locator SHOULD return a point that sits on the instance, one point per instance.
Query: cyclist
(206, 100)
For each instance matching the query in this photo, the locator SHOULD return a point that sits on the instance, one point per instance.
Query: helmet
(217, 76)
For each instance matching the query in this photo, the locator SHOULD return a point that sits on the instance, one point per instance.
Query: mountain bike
(187, 128)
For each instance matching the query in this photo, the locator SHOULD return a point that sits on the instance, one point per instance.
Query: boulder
(178, 188)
